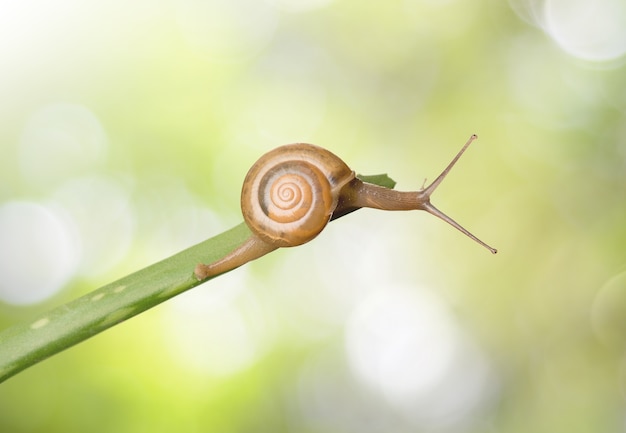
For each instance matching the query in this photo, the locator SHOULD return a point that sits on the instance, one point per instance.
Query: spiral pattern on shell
(291, 192)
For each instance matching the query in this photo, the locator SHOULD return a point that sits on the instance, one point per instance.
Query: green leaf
(378, 179)
(25, 344)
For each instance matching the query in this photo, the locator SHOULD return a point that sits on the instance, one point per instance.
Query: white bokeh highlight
(590, 30)
(100, 207)
(61, 141)
(404, 342)
(38, 252)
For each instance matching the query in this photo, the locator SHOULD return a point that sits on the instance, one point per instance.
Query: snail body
(293, 191)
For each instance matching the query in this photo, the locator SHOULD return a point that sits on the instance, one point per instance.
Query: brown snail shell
(291, 192)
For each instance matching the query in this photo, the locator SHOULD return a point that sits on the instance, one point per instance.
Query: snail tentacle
(361, 194)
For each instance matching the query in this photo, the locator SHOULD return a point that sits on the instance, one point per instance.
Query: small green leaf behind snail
(293, 191)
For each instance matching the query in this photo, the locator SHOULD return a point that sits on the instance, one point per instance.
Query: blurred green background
(126, 129)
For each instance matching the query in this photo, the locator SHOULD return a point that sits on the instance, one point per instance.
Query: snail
(293, 191)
